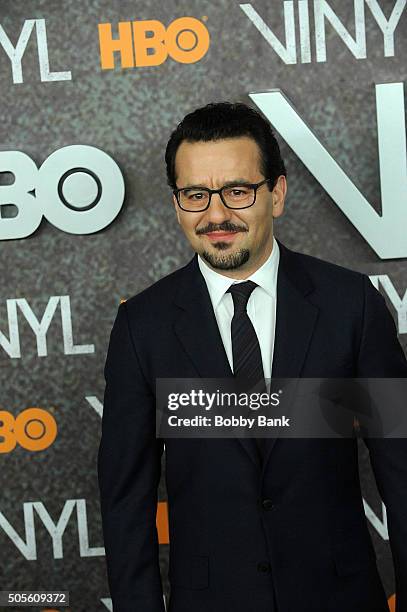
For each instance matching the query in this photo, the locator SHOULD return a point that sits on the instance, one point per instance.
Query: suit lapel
(197, 329)
(296, 317)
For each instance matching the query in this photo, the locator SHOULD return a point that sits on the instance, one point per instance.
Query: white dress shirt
(261, 307)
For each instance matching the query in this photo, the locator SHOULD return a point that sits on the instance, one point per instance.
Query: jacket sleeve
(129, 466)
(381, 356)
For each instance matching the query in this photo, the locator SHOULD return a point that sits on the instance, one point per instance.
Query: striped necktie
(247, 361)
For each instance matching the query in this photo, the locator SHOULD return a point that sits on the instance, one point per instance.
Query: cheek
(190, 223)
(250, 220)
(264, 217)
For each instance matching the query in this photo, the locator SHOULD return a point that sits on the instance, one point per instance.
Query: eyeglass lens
(236, 196)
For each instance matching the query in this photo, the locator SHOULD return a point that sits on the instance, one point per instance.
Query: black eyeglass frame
(254, 186)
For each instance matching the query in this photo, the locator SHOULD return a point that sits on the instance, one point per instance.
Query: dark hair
(220, 120)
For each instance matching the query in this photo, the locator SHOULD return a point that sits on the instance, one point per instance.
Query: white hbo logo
(79, 189)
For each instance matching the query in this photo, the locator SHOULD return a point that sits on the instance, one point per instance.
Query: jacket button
(263, 566)
(267, 504)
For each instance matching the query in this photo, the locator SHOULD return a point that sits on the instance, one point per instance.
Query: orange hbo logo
(149, 42)
(34, 429)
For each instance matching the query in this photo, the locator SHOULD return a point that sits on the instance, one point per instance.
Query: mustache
(226, 226)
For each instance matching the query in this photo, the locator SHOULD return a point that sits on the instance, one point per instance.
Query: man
(279, 528)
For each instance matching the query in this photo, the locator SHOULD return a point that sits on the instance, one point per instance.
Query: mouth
(223, 236)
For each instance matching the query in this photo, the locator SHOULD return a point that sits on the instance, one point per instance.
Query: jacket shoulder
(325, 270)
(331, 285)
(157, 296)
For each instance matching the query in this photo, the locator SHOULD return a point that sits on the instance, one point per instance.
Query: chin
(227, 261)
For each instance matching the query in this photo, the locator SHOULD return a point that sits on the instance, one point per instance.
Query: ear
(177, 209)
(278, 194)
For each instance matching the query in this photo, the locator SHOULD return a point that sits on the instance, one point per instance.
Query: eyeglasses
(235, 196)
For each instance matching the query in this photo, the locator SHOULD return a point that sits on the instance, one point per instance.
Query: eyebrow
(238, 181)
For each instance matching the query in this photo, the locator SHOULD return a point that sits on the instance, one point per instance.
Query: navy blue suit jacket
(241, 531)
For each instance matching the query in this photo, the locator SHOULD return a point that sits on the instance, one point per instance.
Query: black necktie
(247, 362)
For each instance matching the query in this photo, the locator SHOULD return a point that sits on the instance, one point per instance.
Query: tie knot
(241, 293)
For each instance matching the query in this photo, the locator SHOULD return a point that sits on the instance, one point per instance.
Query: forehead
(218, 160)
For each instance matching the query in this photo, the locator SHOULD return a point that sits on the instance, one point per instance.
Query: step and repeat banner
(90, 93)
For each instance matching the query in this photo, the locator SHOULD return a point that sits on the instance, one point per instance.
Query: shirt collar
(265, 277)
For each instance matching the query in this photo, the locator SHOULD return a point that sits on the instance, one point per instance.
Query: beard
(226, 261)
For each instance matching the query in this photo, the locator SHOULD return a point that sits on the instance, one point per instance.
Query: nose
(217, 211)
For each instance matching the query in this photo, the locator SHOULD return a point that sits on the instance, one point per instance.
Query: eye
(198, 195)
(237, 192)
(194, 195)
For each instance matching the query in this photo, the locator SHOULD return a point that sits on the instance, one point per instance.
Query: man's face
(230, 240)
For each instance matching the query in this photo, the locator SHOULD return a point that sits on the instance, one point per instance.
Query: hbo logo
(149, 43)
(79, 189)
(34, 429)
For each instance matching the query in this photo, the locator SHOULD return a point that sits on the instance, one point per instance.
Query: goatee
(226, 262)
